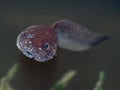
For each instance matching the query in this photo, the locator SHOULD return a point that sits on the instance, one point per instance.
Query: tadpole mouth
(28, 54)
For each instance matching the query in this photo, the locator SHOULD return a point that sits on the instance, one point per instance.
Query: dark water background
(98, 15)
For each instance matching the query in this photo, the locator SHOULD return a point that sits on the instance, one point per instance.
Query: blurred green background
(98, 15)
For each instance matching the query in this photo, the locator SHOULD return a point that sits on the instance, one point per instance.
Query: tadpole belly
(75, 37)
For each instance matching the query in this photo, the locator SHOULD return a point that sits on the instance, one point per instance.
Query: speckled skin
(38, 42)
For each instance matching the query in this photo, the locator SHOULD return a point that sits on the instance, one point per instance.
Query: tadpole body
(40, 42)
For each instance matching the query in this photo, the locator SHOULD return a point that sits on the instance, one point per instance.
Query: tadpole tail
(75, 37)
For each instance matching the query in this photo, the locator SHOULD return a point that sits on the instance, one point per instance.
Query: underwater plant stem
(64, 80)
(5, 81)
(100, 82)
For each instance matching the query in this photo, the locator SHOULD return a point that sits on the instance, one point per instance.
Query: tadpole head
(38, 42)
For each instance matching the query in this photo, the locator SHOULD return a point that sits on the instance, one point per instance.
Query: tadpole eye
(46, 46)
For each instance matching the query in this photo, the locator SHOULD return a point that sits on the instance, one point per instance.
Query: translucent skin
(38, 42)
(74, 37)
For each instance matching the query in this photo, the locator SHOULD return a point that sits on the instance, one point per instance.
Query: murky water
(98, 15)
